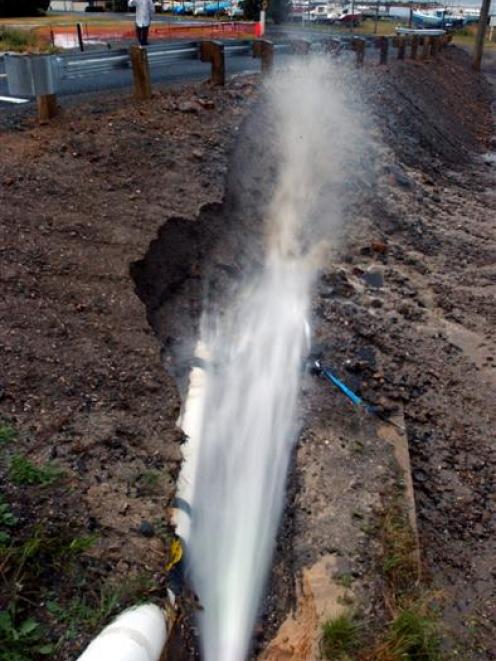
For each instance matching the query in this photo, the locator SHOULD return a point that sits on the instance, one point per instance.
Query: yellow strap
(175, 554)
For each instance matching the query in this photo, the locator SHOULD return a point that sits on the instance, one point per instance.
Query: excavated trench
(374, 308)
(194, 265)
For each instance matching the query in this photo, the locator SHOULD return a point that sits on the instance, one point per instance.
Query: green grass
(413, 635)
(23, 472)
(17, 40)
(22, 641)
(7, 520)
(23, 41)
(344, 579)
(7, 432)
(340, 637)
(92, 608)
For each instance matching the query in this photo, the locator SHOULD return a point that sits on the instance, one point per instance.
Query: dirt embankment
(83, 385)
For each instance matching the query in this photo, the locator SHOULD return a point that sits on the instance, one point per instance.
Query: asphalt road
(189, 70)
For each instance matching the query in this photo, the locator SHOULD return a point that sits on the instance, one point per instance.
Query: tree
(116, 5)
(23, 8)
(251, 9)
(278, 10)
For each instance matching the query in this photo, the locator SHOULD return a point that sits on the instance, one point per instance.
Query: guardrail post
(434, 46)
(299, 46)
(47, 107)
(141, 73)
(414, 47)
(400, 44)
(332, 47)
(382, 43)
(425, 47)
(265, 51)
(213, 51)
(358, 45)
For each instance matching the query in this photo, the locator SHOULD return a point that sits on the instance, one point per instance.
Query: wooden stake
(299, 46)
(47, 107)
(383, 44)
(358, 45)
(141, 73)
(414, 47)
(481, 33)
(213, 51)
(265, 50)
(425, 47)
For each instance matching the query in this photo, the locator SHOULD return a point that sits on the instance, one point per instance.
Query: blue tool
(330, 376)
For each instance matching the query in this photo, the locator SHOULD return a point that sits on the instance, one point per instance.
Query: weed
(23, 641)
(17, 40)
(340, 637)
(147, 481)
(22, 41)
(399, 561)
(344, 579)
(7, 432)
(23, 472)
(7, 520)
(90, 610)
(413, 635)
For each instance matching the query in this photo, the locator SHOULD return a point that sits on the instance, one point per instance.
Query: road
(189, 70)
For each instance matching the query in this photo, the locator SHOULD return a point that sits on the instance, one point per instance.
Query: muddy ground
(82, 382)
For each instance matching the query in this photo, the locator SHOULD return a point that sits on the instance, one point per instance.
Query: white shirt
(144, 11)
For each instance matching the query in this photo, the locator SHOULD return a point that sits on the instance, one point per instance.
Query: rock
(146, 529)
(189, 107)
(207, 104)
(380, 247)
(373, 278)
(399, 177)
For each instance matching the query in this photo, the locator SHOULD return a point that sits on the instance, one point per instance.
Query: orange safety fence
(67, 36)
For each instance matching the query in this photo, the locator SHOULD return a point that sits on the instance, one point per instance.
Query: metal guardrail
(71, 66)
(35, 75)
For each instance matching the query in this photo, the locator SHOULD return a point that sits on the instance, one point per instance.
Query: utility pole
(481, 34)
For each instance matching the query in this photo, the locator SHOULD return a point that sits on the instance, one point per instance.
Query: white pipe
(137, 634)
(190, 421)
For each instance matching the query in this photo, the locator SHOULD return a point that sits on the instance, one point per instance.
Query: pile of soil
(404, 313)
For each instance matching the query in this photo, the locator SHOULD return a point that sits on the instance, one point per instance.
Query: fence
(95, 34)
(40, 75)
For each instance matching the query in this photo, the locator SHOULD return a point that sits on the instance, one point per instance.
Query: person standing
(144, 11)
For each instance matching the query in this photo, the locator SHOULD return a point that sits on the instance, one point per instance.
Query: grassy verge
(55, 590)
(22, 41)
(410, 630)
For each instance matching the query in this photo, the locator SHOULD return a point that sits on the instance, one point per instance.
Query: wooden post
(47, 107)
(383, 45)
(414, 47)
(400, 43)
(332, 47)
(264, 50)
(481, 33)
(358, 45)
(434, 46)
(213, 51)
(425, 47)
(80, 36)
(141, 73)
(299, 46)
